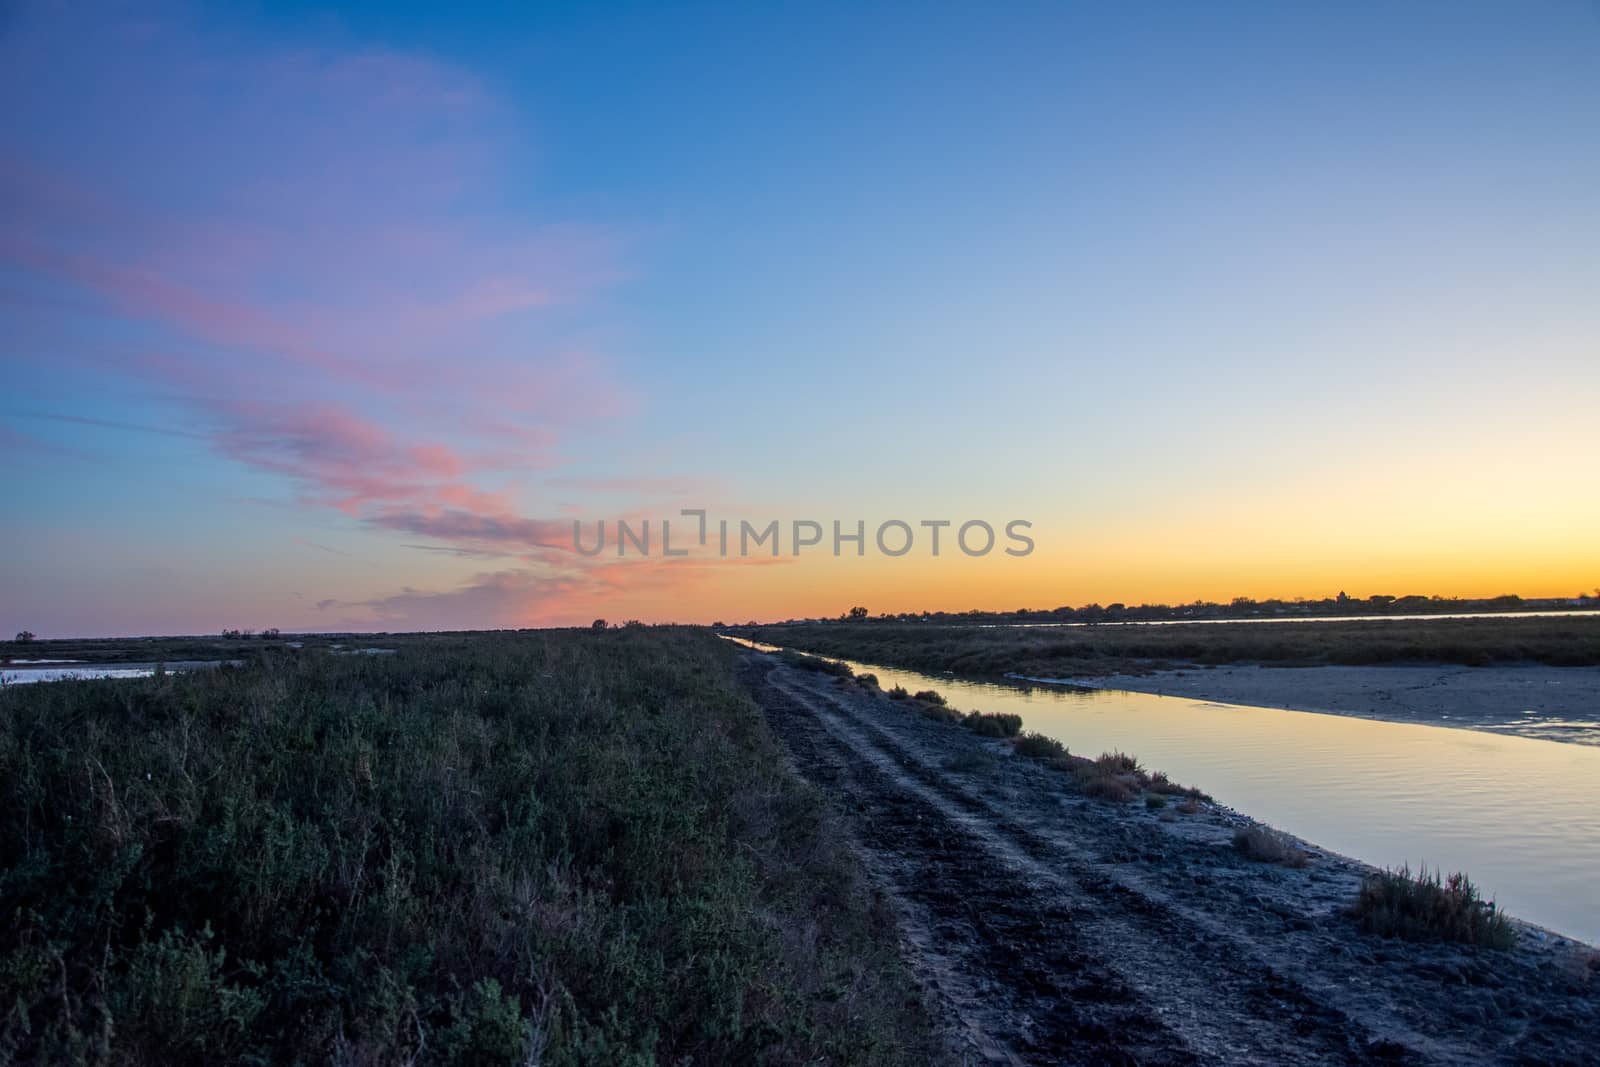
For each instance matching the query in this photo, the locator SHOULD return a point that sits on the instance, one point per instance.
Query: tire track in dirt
(996, 947)
(1033, 946)
(1303, 995)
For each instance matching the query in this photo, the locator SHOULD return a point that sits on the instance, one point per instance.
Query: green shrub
(1038, 746)
(898, 693)
(993, 723)
(1154, 801)
(929, 696)
(1427, 907)
(867, 681)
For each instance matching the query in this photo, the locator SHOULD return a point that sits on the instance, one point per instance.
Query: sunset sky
(337, 317)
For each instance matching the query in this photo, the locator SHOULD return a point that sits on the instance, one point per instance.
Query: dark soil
(1051, 928)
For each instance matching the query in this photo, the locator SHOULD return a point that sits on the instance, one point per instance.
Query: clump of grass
(1189, 806)
(1266, 845)
(1154, 801)
(867, 681)
(1117, 763)
(1114, 788)
(1038, 746)
(1429, 907)
(898, 693)
(929, 696)
(993, 723)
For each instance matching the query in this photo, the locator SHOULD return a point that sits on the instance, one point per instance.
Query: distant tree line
(1248, 608)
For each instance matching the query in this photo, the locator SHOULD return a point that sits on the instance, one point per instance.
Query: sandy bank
(1555, 703)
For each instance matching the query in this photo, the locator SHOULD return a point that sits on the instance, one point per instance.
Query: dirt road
(1049, 928)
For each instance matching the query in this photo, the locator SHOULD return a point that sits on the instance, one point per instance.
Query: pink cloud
(303, 249)
(514, 598)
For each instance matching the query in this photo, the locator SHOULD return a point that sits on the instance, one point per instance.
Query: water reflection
(1520, 815)
(29, 674)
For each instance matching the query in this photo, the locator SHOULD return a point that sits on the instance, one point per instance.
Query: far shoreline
(1527, 700)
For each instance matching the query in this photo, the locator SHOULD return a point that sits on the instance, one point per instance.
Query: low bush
(929, 696)
(1266, 845)
(993, 723)
(1428, 907)
(1110, 787)
(1155, 801)
(867, 681)
(1117, 763)
(1038, 746)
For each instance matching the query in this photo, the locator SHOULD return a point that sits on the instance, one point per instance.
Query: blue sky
(1225, 298)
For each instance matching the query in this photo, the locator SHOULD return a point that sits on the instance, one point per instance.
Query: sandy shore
(1555, 703)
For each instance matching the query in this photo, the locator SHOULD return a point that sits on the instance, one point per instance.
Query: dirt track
(1049, 928)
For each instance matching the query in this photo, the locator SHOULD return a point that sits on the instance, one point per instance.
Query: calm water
(1520, 816)
(25, 675)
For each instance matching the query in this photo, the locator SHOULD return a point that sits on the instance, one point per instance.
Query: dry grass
(1115, 788)
(1430, 907)
(1038, 746)
(992, 723)
(1266, 845)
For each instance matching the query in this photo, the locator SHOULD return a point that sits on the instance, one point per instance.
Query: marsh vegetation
(1091, 650)
(569, 847)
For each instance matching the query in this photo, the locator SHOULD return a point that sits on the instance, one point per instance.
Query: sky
(340, 317)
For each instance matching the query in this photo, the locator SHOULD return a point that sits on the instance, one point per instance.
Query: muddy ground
(1051, 928)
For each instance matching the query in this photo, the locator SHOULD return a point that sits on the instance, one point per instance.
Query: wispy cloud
(349, 289)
